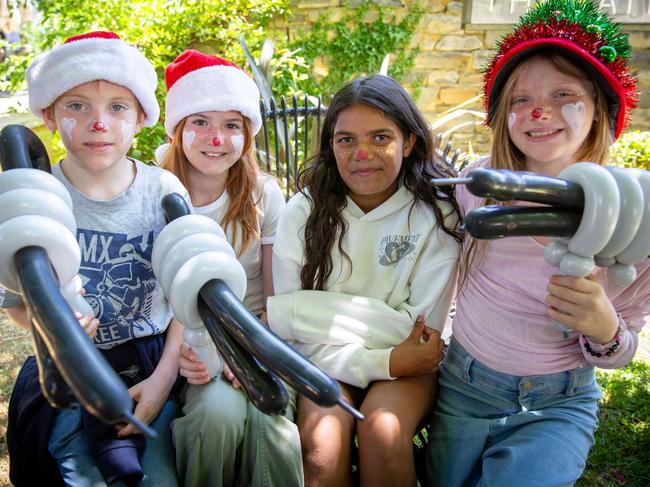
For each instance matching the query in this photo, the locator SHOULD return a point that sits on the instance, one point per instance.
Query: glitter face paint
(67, 126)
(512, 119)
(237, 142)
(127, 128)
(574, 115)
(188, 138)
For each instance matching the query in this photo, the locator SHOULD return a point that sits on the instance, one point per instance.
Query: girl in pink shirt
(517, 401)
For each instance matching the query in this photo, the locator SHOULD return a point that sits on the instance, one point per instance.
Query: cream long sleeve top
(403, 265)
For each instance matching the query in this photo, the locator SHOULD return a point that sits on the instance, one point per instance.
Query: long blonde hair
(241, 183)
(505, 155)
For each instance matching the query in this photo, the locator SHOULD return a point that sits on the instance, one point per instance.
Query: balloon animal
(40, 258)
(205, 283)
(599, 215)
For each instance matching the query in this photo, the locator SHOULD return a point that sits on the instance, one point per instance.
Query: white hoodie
(403, 265)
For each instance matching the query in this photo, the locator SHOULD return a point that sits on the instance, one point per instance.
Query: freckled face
(213, 141)
(369, 149)
(97, 122)
(551, 115)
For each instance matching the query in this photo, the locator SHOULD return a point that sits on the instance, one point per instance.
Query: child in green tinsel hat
(517, 399)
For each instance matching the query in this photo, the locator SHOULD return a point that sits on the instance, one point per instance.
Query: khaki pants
(223, 440)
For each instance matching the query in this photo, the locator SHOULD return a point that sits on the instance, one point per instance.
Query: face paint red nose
(98, 126)
(216, 141)
(537, 113)
(362, 155)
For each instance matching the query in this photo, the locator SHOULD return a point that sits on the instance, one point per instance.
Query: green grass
(619, 457)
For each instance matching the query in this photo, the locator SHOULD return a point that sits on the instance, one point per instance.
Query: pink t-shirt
(501, 310)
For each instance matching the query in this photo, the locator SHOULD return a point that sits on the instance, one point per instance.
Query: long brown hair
(321, 182)
(241, 183)
(505, 155)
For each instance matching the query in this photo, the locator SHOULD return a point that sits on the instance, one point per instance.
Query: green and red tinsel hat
(585, 35)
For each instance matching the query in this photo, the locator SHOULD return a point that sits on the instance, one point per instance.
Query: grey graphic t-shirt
(116, 240)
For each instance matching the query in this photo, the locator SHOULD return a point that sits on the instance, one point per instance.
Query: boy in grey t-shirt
(98, 92)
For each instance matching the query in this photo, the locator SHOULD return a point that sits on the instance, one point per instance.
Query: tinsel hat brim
(617, 95)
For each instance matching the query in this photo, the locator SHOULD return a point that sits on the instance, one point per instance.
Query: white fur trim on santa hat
(213, 89)
(161, 152)
(55, 72)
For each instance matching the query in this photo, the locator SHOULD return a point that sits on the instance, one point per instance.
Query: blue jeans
(69, 448)
(494, 429)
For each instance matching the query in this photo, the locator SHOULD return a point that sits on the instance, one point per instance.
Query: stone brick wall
(451, 57)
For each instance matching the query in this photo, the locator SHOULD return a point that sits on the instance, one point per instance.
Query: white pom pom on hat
(90, 57)
(198, 82)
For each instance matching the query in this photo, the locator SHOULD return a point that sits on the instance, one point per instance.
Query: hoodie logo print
(395, 248)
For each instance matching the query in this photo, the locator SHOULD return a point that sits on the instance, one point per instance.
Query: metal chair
(289, 136)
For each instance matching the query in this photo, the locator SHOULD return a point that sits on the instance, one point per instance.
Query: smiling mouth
(214, 154)
(542, 133)
(365, 172)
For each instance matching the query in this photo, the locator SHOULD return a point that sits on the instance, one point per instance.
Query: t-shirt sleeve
(466, 200)
(272, 205)
(169, 183)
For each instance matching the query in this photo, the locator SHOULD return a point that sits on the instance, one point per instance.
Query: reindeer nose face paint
(541, 112)
(362, 155)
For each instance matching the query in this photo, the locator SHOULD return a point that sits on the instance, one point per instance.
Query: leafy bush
(355, 45)
(632, 149)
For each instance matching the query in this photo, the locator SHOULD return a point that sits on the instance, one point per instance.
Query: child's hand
(89, 323)
(150, 396)
(227, 373)
(191, 367)
(581, 304)
(413, 357)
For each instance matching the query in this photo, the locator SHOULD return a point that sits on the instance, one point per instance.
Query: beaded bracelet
(610, 351)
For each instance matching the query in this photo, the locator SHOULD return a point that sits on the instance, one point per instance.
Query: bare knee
(383, 436)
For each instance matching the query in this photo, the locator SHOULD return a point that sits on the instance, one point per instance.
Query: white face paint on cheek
(574, 114)
(188, 138)
(237, 142)
(67, 126)
(127, 129)
(512, 119)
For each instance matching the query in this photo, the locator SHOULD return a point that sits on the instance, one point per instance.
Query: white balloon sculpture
(614, 231)
(189, 252)
(36, 210)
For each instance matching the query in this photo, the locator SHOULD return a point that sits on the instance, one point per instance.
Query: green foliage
(619, 456)
(352, 46)
(161, 28)
(632, 149)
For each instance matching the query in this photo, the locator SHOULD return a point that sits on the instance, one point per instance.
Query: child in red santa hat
(212, 113)
(98, 92)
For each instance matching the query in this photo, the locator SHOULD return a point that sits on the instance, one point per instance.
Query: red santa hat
(91, 57)
(198, 82)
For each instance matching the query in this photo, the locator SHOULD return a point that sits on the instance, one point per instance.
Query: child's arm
(419, 354)
(151, 393)
(20, 317)
(582, 305)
